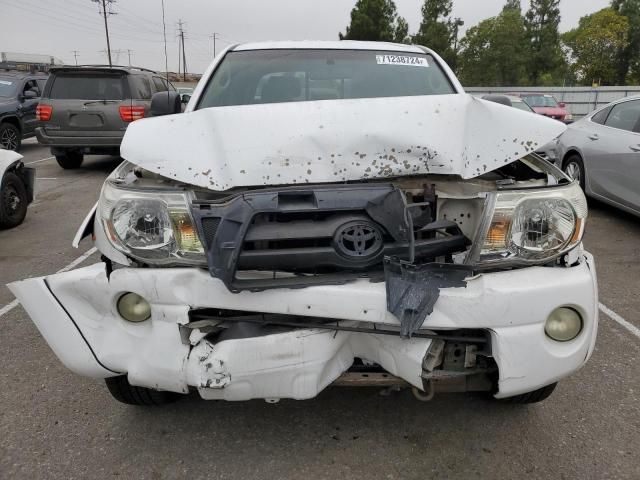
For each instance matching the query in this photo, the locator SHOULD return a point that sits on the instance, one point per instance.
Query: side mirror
(562, 105)
(165, 103)
(29, 95)
(185, 98)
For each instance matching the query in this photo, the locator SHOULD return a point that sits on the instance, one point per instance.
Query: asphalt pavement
(56, 425)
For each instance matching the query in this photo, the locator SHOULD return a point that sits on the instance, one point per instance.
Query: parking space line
(617, 318)
(38, 161)
(10, 306)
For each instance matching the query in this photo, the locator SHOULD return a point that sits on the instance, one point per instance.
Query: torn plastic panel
(412, 290)
(318, 234)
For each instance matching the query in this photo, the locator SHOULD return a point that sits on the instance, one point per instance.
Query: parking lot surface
(54, 424)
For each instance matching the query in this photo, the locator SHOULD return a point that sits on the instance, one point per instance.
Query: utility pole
(457, 23)
(184, 56)
(106, 24)
(129, 52)
(75, 55)
(214, 36)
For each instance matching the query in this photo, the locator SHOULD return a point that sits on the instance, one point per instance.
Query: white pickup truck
(328, 213)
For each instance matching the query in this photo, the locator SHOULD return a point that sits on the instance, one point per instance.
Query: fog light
(563, 324)
(133, 308)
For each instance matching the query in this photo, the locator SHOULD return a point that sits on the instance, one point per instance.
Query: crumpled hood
(335, 140)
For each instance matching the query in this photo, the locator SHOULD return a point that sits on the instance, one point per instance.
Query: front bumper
(76, 313)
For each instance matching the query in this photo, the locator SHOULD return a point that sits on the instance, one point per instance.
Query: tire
(13, 201)
(10, 136)
(124, 392)
(573, 166)
(70, 159)
(531, 397)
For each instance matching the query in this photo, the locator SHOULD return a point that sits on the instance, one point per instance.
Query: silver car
(602, 152)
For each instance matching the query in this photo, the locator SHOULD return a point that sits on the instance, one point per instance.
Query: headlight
(150, 225)
(530, 226)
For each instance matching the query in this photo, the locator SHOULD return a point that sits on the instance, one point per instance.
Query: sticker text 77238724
(401, 60)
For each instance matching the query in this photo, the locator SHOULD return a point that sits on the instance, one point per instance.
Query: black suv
(86, 109)
(19, 97)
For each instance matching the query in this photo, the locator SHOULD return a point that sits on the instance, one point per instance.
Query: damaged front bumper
(77, 314)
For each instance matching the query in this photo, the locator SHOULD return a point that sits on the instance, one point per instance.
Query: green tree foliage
(376, 20)
(437, 30)
(595, 44)
(629, 57)
(493, 52)
(544, 54)
(513, 5)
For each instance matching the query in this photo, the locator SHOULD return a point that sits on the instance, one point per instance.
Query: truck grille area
(319, 234)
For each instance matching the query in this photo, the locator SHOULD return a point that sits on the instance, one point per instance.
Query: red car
(546, 104)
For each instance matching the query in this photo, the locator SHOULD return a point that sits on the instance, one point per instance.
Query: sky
(58, 27)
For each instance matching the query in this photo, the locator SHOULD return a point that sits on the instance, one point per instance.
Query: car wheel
(13, 201)
(124, 392)
(531, 397)
(10, 137)
(574, 168)
(70, 159)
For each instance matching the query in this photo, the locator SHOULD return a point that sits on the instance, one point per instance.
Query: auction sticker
(401, 60)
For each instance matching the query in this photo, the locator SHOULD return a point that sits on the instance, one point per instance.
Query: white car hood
(335, 140)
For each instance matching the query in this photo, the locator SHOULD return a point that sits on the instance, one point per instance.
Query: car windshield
(540, 101)
(275, 76)
(521, 105)
(88, 86)
(7, 87)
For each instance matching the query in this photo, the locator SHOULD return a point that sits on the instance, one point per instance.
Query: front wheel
(574, 168)
(13, 201)
(531, 397)
(124, 392)
(70, 159)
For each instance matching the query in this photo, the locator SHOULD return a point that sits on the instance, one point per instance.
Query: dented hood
(335, 140)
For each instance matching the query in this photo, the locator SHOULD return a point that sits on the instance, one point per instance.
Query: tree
(493, 52)
(437, 30)
(544, 54)
(629, 57)
(376, 20)
(513, 5)
(594, 46)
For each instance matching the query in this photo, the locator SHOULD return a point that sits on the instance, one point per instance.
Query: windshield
(88, 86)
(540, 101)
(521, 105)
(7, 87)
(275, 76)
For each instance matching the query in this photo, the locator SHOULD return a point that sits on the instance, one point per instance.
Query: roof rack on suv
(110, 66)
